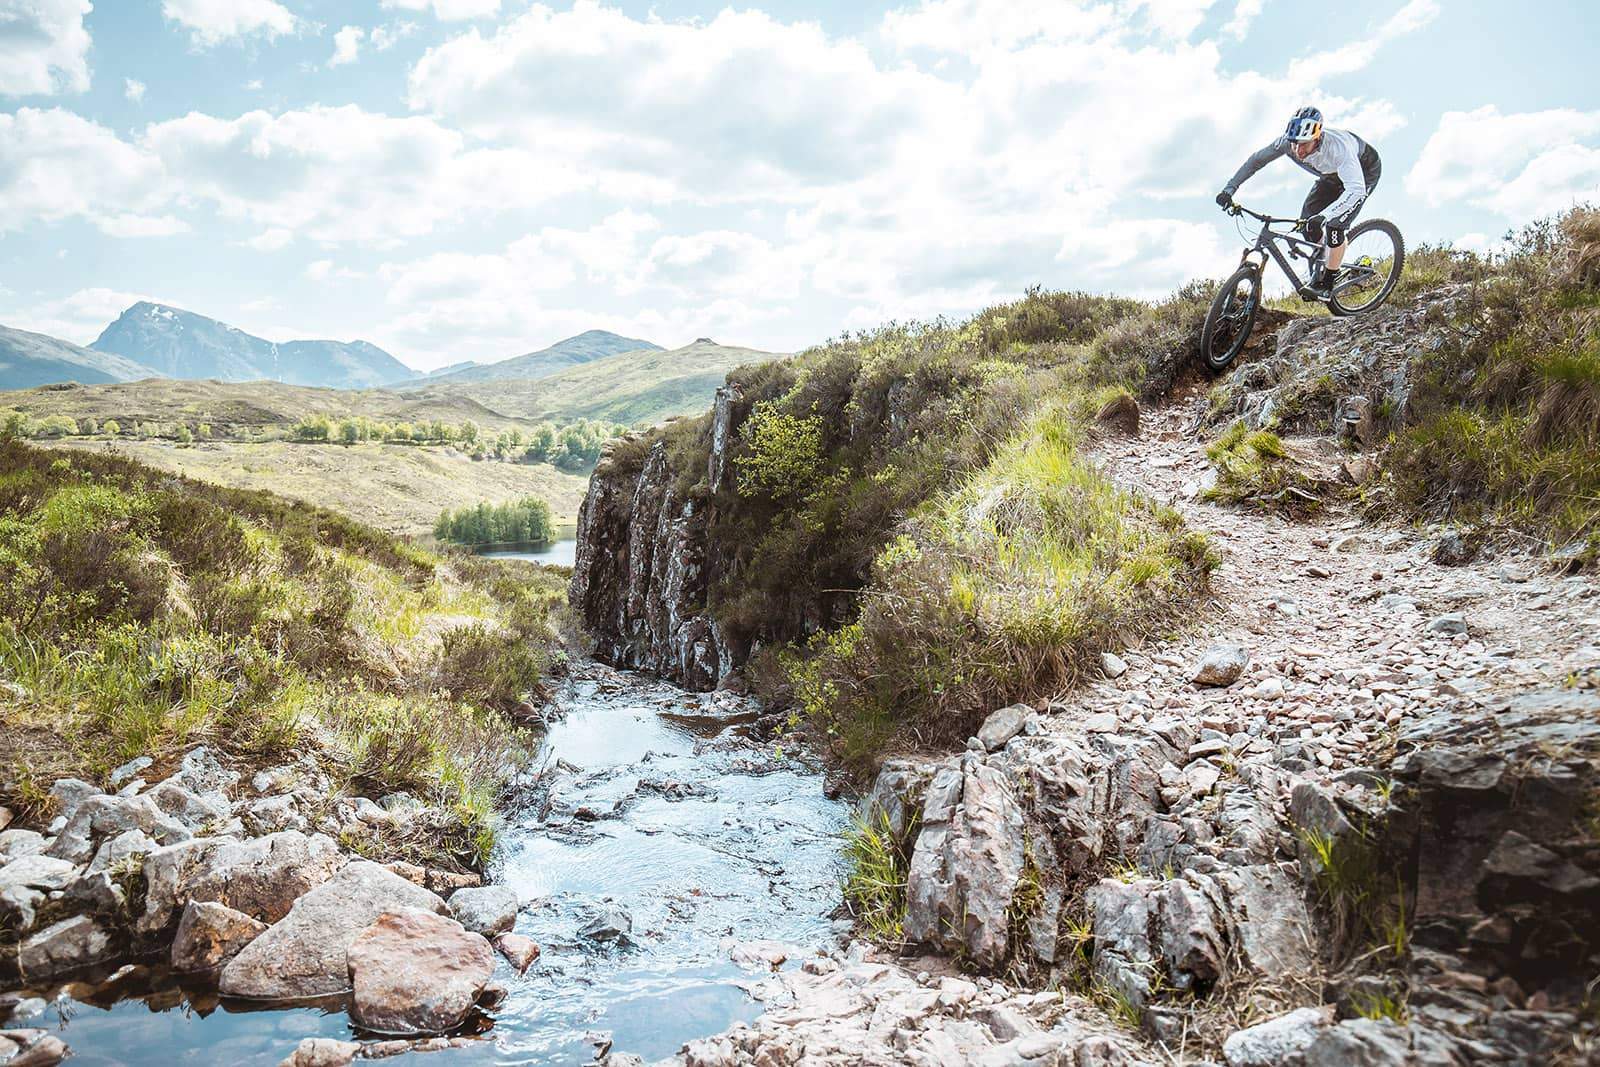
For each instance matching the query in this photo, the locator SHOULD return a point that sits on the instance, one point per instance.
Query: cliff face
(642, 571)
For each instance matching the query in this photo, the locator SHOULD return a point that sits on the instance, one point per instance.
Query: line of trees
(522, 522)
(15, 423)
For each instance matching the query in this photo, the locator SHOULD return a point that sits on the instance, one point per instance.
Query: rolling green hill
(630, 387)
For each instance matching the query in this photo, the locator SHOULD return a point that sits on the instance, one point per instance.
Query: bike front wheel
(1232, 315)
(1374, 256)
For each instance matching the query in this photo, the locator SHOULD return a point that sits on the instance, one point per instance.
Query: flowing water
(655, 808)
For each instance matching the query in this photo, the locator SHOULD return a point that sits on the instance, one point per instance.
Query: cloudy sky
(456, 179)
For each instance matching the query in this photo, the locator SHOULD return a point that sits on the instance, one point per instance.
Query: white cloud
(323, 269)
(56, 165)
(44, 47)
(1310, 70)
(743, 99)
(1245, 12)
(346, 45)
(270, 240)
(213, 22)
(448, 10)
(1172, 18)
(79, 317)
(344, 174)
(1520, 165)
(386, 37)
(133, 90)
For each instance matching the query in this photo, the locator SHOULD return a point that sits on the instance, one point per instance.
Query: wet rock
(1280, 1042)
(416, 972)
(519, 951)
(127, 772)
(303, 954)
(488, 910)
(1447, 625)
(40, 1050)
(211, 934)
(322, 1052)
(967, 861)
(1002, 725)
(1220, 666)
(607, 921)
(66, 946)
(99, 817)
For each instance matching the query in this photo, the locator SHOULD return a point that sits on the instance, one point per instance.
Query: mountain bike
(1375, 254)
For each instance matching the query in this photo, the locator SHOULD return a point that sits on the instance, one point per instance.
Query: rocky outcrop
(640, 578)
(1348, 377)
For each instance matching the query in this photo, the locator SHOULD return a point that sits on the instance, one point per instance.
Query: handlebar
(1240, 209)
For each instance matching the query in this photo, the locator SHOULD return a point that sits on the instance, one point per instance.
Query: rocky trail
(1344, 818)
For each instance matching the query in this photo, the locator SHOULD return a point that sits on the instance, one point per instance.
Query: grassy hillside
(235, 408)
(573, 351)
(398, 488)
(642, 387)
(140, 613)
(910, 512)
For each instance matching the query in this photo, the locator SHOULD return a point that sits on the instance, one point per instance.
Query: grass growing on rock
(141, 613)
(1505, 427)
(877, 862)
(1256, 467)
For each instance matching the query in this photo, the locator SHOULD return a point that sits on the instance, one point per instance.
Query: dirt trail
(1347, 624)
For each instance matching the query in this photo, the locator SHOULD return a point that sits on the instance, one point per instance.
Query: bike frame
(1267, 245)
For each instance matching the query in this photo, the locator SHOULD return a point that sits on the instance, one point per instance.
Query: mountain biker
(1347, 170)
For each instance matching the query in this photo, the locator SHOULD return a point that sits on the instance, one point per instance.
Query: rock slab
(416, 972)
(211, 934)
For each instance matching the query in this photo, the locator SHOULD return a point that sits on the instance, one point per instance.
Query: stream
(657, 815)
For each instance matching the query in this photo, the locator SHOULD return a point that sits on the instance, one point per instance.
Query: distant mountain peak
(183, 344)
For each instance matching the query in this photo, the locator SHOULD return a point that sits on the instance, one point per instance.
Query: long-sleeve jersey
(1339, 154)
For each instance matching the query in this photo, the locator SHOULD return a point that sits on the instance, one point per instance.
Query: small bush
(1254, 466)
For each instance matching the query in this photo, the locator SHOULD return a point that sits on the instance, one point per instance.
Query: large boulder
(303, 954)
(967, 862)
(262, 877)
(1220, 666)
(487, 910)
(415, 972)
(65, 946)
(211, 934)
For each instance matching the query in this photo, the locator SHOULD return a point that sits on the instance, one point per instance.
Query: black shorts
(1330, 188)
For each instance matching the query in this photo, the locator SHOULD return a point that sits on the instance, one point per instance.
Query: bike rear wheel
(1232, 315)
(1375, 254)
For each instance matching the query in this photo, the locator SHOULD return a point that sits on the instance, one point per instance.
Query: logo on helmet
(1305, 126)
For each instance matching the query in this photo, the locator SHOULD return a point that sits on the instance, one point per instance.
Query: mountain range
(218, 372)
(175, 343)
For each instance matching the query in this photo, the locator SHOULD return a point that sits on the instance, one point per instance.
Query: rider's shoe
(1321, 285)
